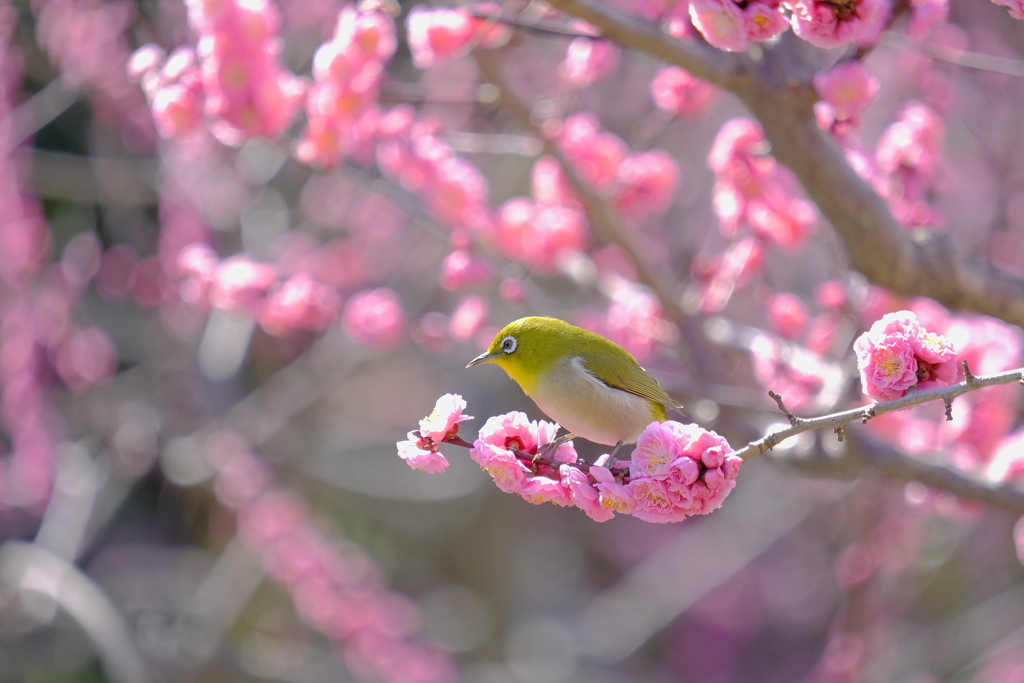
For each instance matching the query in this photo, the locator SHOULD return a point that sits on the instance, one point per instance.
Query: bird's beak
(483, 358)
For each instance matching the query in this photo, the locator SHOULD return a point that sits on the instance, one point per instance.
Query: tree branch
(926, 263)
(836, 421)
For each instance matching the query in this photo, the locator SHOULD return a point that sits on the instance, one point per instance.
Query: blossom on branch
(247, 90)
(732, 26)
(898, 354)
(834, 23)
(677, 470)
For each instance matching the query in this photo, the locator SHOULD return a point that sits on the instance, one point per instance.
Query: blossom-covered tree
(249, 244)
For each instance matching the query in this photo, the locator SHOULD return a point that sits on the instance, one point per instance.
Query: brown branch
(778, 93)
(865, 413)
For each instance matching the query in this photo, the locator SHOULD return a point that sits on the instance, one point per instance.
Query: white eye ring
(508, 344)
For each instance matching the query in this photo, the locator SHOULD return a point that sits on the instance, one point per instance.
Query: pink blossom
(461, 269)
(515, 430)
(341, 106)
(468, 317)
(494, 450)
(540, 236)
(197, 267)
(753, 191)
(647, 183)
(86, 358)
(723, 274)
(679, 93)
(242, 283)
(540, 488)
(374, 317)
(443, 421)
(1017, 12)
(732, 26)
(248, 91)
(829, 24)
(897, 353)
(457, 192)
(849, 87)
(597, 153)
(549, 184)
(634, 320)
(613, 494)
(583, 494)
(588, 61)
(787, 314)
(419, 458)
(831, 295)
(508, 472)
(721, 24)
(914, 141)
(436, 35)
(680, 470)
(299, 303)
(1007, 463)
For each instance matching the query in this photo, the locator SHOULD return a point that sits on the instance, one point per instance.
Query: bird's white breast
(589, 408)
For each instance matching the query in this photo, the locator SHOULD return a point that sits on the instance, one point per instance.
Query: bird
(585, 382)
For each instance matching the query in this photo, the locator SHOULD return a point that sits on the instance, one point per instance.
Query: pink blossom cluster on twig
(676, 471)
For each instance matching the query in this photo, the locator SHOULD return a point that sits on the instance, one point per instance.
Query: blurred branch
(34, 571)
(959, 57)
(32, 115)
(925, 263)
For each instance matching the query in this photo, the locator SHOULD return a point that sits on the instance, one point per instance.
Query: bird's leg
(611, 456)
(550, 448)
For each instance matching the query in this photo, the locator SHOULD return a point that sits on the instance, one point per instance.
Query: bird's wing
(602, 365)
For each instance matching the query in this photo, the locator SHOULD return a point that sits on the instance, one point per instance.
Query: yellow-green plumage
(587, 383)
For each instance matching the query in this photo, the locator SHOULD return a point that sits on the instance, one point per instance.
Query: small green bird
(585, 382)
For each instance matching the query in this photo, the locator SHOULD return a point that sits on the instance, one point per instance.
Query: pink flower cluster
(794, 362)
(420, 450)
(638, 184)
(634, 320)
(898, 353)
(680, 93)
(437, 35)
(849, 88)
(732, 26)
(909, 161)
(973, 439)
(830, 24)
(342, 104)
(233, 77)
(282, 305)
(411, 153)
(335, 587)
(752, 191)
(677, 470)
(587, 61)
(43, 346)
(284, 300)
(545, 230)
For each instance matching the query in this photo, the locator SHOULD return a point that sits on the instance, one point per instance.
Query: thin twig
(865, 413)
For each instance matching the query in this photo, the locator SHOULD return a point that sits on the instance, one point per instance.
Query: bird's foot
(550, 449)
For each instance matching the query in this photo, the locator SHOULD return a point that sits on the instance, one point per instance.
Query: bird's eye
(508, 344)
